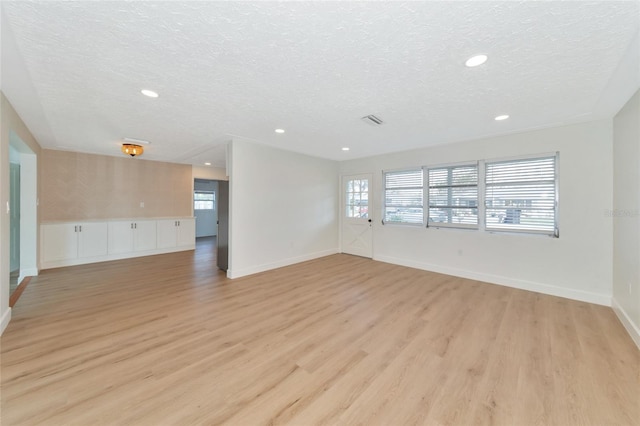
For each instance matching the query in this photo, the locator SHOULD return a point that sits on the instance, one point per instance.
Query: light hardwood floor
(337, 341)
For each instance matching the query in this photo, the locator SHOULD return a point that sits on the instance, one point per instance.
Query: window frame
(555, 233)
(427, 193)
(346, 192)
(481, 196)
(384, 196)
(213, 200)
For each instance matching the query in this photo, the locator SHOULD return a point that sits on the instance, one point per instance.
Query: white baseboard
(568, 293)
(279, 264)
(110, 257)
(29, 272)
(4, 322)
(631, 328)
(24, 273)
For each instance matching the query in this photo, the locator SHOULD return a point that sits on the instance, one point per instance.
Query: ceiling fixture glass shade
(132, 150)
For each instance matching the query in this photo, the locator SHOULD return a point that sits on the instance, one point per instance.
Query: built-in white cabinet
(176, 233)
(70, 241)
(74, 243)
(131, 236)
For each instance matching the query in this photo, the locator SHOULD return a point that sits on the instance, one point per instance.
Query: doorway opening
(14, 219)
(23, 208)
(205, 207)
(211, 210)
(357, 231)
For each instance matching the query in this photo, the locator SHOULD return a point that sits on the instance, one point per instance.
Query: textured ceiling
(242, 69)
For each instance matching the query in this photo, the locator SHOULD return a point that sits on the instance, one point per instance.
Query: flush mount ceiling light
(346, 148)
(149, 93)
(207, 164)
(132, 150)
(136, 141)
(501, 117)
(474, 61)
(279, 130)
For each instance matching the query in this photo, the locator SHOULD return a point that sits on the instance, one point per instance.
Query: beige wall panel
(77, 186)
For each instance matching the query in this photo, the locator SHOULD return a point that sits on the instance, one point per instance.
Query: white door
(59, 242)
(120, 237)
(167, 233)
(93, 239)
(357, 233)
(14, 218)
(204, 209)
(186, 232)
(144, 235)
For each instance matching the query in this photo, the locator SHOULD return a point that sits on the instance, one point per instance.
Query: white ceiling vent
(372, 119)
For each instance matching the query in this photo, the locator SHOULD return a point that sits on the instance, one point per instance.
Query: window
(403, 197)
(521, 195)
(453, 196)
(357, 198)
(203, 200)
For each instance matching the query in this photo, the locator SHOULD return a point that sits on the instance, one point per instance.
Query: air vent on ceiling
(372, 119)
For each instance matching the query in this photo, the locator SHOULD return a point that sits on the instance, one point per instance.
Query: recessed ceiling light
(346, 148)
(501, 117)
(207, 164)
(149, 93)
(279, 130)
(474, 61)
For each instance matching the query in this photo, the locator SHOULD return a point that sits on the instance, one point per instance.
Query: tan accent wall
(77, 186)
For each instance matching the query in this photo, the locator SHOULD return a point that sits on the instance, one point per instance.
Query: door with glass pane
(357, 232)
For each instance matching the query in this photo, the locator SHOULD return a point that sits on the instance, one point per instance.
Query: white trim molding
(568, 293)
(631, 328)
(4, 322)
(279, 264)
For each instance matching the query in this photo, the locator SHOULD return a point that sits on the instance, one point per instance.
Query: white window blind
(403, 192)
(203, 200)
(453, 196)
(521, 195)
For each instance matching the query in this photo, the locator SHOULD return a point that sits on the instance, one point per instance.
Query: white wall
(28, 216)
(283, 208)
(626, 216)
(576, 265)
(211, 173)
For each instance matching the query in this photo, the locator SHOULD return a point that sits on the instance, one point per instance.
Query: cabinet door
(145, 235)
(93, 239)
(120, 237)
(186, 232)
(59, 242)
(166, 232)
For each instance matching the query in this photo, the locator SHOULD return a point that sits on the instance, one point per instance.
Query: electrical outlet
(141, 204)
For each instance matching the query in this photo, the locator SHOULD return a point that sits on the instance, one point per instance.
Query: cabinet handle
(178, 223)
(80, 227)
(135, 226)
(75, 228)
(132, 226)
